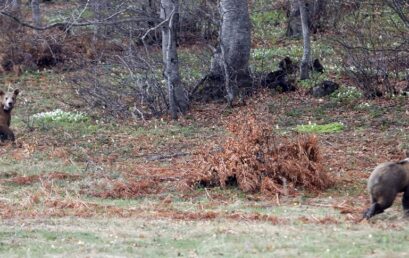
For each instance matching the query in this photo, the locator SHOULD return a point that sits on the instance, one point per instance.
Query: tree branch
(77, 24)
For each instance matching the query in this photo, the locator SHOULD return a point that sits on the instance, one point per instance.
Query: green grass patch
(159, 238)
(346, 95)
(325, 128)
(164, 131)
(40, 163)
(193, 64)
(268, 25)
(315, 78)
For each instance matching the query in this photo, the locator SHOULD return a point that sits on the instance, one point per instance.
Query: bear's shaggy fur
(8, 101)
(386, 181)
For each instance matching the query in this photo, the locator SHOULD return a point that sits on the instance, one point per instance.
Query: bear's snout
(8, 105)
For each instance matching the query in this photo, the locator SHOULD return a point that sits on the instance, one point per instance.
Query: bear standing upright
(8, 101)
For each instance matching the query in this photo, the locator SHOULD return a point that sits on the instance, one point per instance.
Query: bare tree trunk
(230, 63)
(306, 58)
(35, 7)
(235, 43)
(178, 101)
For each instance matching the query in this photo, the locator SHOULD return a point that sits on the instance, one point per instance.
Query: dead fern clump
(256, 160)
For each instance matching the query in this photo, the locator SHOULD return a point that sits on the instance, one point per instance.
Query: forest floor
(113, 188)
(100, 189)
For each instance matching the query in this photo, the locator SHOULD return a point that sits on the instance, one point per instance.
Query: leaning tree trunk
(306, 58)
(35, 6)
(230, 64)
(178, 101)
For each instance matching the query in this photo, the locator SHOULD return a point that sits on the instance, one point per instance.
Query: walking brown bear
(386, 181)
(8, 101)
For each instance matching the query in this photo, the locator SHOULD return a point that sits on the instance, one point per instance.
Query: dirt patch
(62, 207)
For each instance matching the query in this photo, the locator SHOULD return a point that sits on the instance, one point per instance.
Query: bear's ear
(2, 93)
(16, 92)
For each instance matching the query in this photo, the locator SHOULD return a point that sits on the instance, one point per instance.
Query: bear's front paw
(368, 213)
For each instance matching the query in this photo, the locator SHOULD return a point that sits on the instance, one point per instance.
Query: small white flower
(61, 116)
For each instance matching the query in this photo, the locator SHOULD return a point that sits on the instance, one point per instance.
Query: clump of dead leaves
(258, 160)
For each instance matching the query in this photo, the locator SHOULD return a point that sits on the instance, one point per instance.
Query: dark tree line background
(122, 56)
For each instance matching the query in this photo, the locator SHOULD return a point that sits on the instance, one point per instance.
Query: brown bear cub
(8, 101)
(386, 181)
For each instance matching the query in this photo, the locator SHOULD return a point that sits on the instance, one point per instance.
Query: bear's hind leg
(382, 202)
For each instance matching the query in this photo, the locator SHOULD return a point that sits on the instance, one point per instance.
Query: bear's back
(389, 175)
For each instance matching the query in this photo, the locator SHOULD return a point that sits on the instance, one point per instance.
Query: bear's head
(8, 99)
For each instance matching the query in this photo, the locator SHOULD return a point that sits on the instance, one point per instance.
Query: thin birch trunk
(35, 7)
(306, 58)
(177, 97)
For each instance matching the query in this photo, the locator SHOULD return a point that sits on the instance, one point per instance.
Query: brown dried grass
(124, 188)
(28, 180)
(257, 160)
